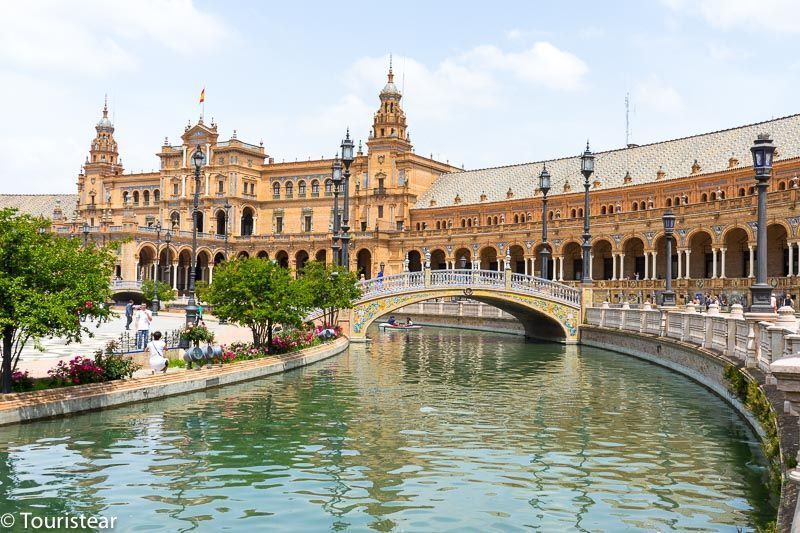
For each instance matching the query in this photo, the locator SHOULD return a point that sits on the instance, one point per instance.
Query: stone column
(591, 266)
(613, 267)
(210, 273)
(751, 274)
(791, 259)
(533, 265)
(722, 263)
(173, 269)
(646, 266)
(713, 263)
(622, 266)
(688, 263)
(186, 277)
(654, 274)
(680, 270)
(561, 271)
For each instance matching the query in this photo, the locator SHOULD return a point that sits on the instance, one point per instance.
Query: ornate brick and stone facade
(404, 206)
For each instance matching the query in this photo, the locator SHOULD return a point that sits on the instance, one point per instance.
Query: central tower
(389, 131)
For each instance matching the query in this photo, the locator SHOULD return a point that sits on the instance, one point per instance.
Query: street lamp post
(198, 158)
(85, 234)
(587, 168)
(761, 292)
(167, 266)
(544, 186)
(347, 159)
(155, 304)
(336, 176)
(668, 298)
(227, 208)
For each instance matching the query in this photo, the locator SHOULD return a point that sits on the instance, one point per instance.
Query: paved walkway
(37, 362)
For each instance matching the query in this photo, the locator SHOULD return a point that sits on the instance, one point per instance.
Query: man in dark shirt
(128, 314)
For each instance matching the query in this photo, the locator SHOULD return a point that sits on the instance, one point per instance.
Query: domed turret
(105, 124)
(390, 89)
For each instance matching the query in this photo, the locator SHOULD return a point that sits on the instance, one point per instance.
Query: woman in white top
(156, 350)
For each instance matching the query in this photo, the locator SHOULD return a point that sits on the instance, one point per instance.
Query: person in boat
(408, 321)
(391, 321)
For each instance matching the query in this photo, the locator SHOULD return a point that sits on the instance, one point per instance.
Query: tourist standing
(143, 320)
(128, 314)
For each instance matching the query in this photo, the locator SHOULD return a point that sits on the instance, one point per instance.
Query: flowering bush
(291, 340)
(115, 365)
(197, 334)
(21, 381)
(78, 371)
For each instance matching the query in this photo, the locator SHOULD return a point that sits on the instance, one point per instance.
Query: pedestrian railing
(126, 342)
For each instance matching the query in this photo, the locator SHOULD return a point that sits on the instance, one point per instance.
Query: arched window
(669, 202)
(438, 225)
(315, 188)
(635, 206)
(175, 218)
(418, 226)
(529, 217)
(704, 197)
(782, 186)
(516, 219)
(642, 206)
(328, 188)
(463, 223)
(580, 212)
(713, 196)
(247, 221)
(289, 189)
(125, 197)
(276, 190)
(469, 222)
(146, 197)
(551, 215)
(496, 221)
(751, 190)
(603, 210)
(742, 191)
(573, 213)
(156, 196)
(135, 197)
(722, 194)
(301, 189)
(611, 210)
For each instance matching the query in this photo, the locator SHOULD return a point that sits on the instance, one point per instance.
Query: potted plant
(194, 335)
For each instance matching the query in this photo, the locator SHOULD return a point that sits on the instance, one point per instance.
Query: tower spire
(105, 106)
(391, 74)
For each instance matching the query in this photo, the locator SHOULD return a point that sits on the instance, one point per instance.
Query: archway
(219, 258)
(243, 255)
(282, 258)
(200, 220)
(147, 255)
(777, 251)
(221, 226)
(517, 259)
(321, 256)
(737, 253)
(463, 258)
(300, 260)
(701, 260)
(488, 257)
(184, 265)
(364, 263)
(414, 261)
(633, 262)
(602, 260)
(262, 255)
(438, 260)
(573, 261)
(247, 222)
(201, 270)
(165, 265)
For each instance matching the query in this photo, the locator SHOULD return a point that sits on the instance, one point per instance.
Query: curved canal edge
(708, 369)
(29, 406)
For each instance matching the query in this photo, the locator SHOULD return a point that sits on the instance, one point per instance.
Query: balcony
(379, 191)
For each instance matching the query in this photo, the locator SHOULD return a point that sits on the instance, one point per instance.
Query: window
(278, 224)
(314, 189)
(175, 189)
(125, 198)
(380, 211)
(221, 186)
(175, 163)
(328, 188)
(156, 196)
(301, 189)
(363, 226)
(221, 160)
(399, 225)
(276, 190)
(135, 197)
(307, 223)
(253, 189)
(704, 197)
(289, 189)
(175, 218)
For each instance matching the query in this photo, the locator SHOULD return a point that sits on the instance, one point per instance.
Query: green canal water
(427, 431)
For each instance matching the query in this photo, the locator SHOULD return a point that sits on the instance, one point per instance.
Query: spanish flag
(203, 95)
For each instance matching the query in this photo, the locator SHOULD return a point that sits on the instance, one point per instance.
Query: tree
(329, 289)
(47, 282)
(257, 294)
(165, 292)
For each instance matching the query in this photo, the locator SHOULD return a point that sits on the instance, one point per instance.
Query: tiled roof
(40, 204)
(675, 158)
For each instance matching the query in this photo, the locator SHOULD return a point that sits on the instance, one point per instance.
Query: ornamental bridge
(547, 309)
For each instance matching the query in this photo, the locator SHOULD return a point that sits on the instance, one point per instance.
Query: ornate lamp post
(85, 234)
(544, 186)
(227, 208)
(336, 176)
(198, 158)
(668, 298)
(347, 159)
(761, 292)
(587, 169)
(167, 266)
(155, 304)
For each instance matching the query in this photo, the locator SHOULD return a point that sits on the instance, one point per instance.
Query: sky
(484, 84)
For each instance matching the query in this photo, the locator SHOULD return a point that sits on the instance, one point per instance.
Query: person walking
(199, 313)
(128, 314)
(143, 320)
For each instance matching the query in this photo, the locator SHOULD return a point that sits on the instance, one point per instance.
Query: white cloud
(772, 15)
(655, 95)
(542, 64)
(92, 36)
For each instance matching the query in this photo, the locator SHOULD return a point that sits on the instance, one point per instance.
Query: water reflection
(433, 430)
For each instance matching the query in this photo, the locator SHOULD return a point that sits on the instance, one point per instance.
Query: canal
(425, 431)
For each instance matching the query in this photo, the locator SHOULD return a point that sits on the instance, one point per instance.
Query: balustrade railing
(123, 284)
(471, 278)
